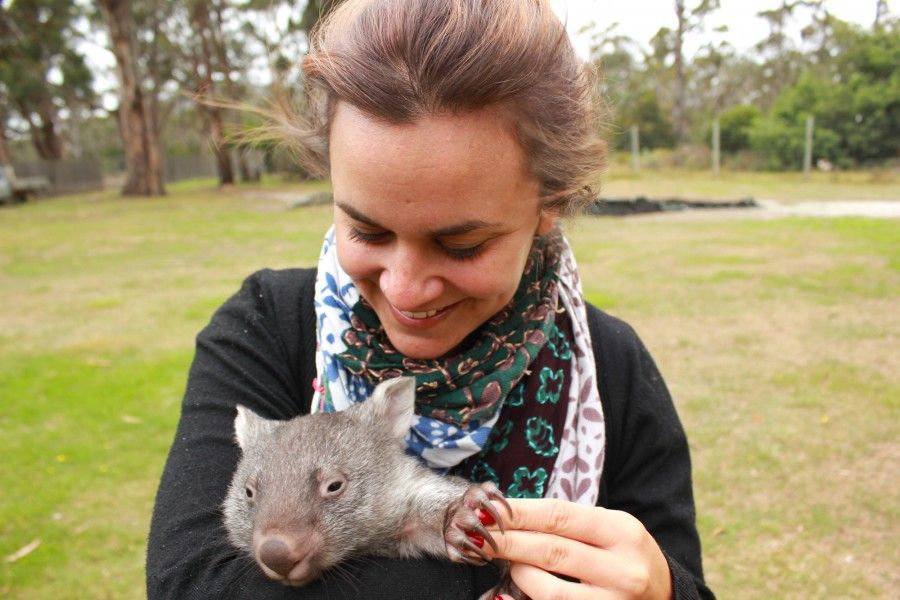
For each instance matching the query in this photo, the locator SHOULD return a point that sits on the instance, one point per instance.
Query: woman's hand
(609, 551)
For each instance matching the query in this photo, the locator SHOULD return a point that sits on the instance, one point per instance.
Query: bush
(734, 127)
(780, 144)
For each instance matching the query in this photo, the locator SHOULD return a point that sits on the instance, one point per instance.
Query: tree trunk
(34, 131)
(44, 138)
(217, 36)
(200, 17)
(223, 157)
(680, 116)
(139, 139)
(243, 169)
(881, 11)
(52, 141)
(5, 156)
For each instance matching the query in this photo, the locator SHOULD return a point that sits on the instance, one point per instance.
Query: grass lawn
(778, 338)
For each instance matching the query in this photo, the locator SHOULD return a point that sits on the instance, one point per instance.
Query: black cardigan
(259, 350)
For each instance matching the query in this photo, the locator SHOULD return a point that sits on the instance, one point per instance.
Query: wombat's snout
(285, 559)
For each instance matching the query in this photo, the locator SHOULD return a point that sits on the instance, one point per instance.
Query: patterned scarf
(460, 398)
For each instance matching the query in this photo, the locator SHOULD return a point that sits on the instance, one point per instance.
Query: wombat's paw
(465, 520)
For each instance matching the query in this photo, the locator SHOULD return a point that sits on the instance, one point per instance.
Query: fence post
(635, 149)
(807, 154)
(715, 147)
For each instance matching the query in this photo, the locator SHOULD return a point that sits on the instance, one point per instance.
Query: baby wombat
(313, 491)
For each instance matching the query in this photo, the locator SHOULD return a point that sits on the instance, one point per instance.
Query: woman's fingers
(608, 551)
(555, 554)
(537, 583)
(589, 524)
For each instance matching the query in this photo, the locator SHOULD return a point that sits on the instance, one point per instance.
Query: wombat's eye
(333, 485)
(250, 490)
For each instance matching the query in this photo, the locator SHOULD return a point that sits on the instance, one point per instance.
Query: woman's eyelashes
(456, 253)
(357, 235)
(463, 253)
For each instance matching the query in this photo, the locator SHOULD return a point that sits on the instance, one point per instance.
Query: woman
(455, 133)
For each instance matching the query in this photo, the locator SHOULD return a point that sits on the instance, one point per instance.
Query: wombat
(313, 491)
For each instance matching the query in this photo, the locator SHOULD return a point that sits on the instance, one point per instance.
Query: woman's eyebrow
(458, 229)
(464, 227)
(355, 214)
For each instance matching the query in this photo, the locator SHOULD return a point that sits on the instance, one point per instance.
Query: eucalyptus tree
(43, 75)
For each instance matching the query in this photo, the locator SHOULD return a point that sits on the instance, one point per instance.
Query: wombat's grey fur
(313, 491)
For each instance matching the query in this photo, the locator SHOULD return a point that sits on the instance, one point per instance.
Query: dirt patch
(747, 209)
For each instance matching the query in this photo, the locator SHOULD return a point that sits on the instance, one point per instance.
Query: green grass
(778, 339)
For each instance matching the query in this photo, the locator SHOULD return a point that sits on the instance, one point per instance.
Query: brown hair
(400, 60)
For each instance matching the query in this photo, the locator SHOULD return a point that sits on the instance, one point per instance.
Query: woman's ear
(547, 220)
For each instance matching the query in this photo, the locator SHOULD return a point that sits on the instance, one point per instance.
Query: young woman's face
(433, 220)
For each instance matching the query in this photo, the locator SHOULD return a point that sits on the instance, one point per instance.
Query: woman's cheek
(358, 260)
(486, 279)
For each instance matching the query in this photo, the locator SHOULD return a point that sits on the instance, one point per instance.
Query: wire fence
(89, 174)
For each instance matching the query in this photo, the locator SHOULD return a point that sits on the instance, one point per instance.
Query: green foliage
(856, 103)
(735, 125)
(40, 70)
(655, 127)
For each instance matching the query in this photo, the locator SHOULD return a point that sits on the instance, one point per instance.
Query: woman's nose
(410, 279)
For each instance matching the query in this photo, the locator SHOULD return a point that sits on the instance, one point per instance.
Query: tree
(688, 20)
(139, 132)
(208, 58)
(718, 78)
(881, 12)
(656, 129)
(783, 60)
(41, 72)
(855, 99)
(5, 154)
(735, 125)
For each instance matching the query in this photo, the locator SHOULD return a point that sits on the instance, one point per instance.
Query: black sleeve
(648, 467)
(258, 351)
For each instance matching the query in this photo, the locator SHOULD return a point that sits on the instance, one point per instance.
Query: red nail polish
(485, 517)
(476, 539)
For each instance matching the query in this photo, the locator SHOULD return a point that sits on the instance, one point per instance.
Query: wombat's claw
(463, 529)
(471, 546)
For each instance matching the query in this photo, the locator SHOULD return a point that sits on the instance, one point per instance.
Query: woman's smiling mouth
(420, 317)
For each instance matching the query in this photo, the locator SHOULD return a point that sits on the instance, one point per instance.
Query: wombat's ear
(394, 403)
(249, 427)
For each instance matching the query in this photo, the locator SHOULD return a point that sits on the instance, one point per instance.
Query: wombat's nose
(276, 554)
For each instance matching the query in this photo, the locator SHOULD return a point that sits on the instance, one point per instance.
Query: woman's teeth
(419, 315)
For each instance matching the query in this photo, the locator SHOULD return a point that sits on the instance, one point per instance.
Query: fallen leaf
(131, 420)
(24, 551)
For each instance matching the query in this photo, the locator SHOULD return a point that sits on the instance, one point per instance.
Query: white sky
(641, 19)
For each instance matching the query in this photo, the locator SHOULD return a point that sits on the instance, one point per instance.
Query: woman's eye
(464, 253)
(369, 237)
(358, 235)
